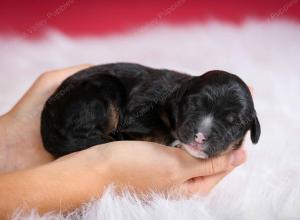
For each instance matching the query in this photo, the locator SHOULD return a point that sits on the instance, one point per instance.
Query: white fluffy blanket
(265, 54)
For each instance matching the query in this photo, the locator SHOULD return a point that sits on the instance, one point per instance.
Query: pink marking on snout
(200, 138)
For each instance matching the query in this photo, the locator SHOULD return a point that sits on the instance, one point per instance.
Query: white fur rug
(265, 54)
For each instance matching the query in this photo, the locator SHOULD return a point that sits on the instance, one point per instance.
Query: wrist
(4, 143)
(83, 177)
(18, 149)
(90, 163)
(100, 165)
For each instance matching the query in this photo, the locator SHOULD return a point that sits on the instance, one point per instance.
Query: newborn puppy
(206, 115)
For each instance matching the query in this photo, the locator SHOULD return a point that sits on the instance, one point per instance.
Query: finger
(209, 182)
(202, 185)
(43, 87)
(55, 77)
(63, 73)
(196, 167)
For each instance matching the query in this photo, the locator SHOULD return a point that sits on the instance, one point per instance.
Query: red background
(104, 17)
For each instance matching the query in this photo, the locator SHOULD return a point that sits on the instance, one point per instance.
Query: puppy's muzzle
(196, 148)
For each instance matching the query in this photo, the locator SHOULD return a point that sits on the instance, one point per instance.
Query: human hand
(145, 166)
(20, 142)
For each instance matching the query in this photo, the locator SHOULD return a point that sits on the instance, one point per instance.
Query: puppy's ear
(255, 130)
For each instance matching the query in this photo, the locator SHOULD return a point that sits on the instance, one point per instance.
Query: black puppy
(213, 113)
(206, 115)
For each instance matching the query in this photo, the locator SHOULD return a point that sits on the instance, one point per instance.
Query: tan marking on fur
(114, 117)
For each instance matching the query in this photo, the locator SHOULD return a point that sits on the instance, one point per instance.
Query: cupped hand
(145, 166)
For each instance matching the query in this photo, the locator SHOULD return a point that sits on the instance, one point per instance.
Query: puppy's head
(214, 111)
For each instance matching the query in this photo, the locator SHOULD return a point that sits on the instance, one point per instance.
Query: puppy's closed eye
(230, 118)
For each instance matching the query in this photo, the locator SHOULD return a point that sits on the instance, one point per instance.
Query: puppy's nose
(200, 138)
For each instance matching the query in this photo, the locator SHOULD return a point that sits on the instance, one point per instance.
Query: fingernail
(237, 157)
